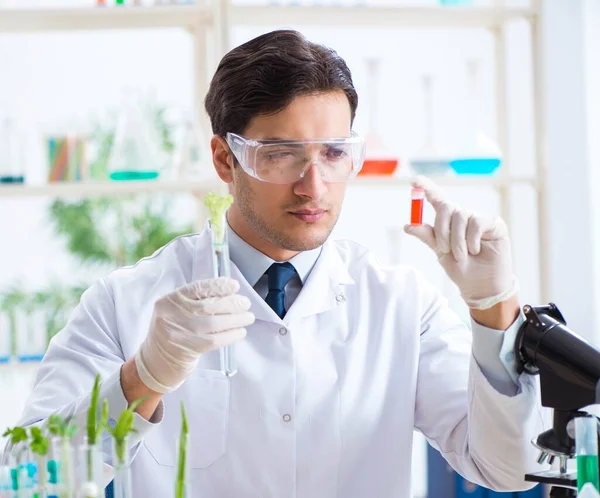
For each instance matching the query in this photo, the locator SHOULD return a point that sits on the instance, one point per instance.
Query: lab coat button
(287, 417)
(340, 298)
(283, 331)
(112, 422)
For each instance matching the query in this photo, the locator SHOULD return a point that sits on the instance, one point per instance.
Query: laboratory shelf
(110, 189)
(446, 180)
(107, 188)
(99, 18)
(202, 14)
(377, 16)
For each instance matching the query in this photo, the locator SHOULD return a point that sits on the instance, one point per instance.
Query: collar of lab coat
(322, 291)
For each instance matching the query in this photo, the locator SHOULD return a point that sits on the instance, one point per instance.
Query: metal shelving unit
(209, 22)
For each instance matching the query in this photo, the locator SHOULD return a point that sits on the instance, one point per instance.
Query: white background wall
(55, 81)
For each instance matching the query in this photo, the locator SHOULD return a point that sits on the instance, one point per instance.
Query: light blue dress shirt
(492, 349)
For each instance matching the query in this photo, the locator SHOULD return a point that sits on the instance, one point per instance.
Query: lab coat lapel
(324, 288)
(202, 268)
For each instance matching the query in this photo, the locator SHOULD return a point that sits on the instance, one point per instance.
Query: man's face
(280, 219)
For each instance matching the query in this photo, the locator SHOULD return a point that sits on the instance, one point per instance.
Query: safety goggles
(287, 161)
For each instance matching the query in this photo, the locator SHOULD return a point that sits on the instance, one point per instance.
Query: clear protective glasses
(287, 161)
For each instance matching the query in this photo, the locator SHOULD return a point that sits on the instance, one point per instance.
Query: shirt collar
(253, 264)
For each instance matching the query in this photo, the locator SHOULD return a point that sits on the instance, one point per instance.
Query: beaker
(11, 153)
(427, 160)
(136, 152)
(478, 155)
(379, 159)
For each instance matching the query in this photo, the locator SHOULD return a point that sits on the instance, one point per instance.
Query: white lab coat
(325, 401)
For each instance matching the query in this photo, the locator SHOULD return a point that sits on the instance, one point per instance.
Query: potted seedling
(121, 464)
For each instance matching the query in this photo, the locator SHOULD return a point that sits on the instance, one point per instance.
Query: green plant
(16, 434)
(61, 427)
(181, 463)
(123, 428)
(216, 206)
(95, 426)
(39, 443)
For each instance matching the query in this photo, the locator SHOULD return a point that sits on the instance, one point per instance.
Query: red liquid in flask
(416, 206)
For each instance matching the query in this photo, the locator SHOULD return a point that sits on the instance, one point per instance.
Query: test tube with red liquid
(417, 199)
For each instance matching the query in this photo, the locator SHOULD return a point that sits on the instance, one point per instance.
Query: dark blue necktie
(279, 275)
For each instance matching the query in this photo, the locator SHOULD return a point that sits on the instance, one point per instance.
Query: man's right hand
(192, 320)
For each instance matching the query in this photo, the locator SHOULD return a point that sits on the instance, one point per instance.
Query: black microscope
(569, 370)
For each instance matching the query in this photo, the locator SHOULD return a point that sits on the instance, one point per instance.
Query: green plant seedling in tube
(217, 207)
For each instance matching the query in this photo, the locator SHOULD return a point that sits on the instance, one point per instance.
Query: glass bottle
(135, 153)
(478, 154)
(379, 159)
(428, 160)
(11, 153)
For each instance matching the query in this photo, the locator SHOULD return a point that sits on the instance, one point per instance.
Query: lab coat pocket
(206, 398)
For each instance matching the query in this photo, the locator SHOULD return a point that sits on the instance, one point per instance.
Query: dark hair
(265, 74)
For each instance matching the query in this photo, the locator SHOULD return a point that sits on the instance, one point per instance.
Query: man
(339, 359)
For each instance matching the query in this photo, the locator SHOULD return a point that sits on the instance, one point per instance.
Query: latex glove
(192, 320)
(474, 250)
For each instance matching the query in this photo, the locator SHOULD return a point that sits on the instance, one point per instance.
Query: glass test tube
(586, 446)
(417, 196)
(122, 467)
(222, 269)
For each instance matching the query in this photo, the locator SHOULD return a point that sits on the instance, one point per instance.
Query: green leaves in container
(123, 428)
(217, 205)
(182, 455)
(61, 427)
(39, 443)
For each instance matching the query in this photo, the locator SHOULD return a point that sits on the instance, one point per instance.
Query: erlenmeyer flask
(379, 159)
(11, 153)
(479, 155)
(191, 158)
(136, 152)
(428, 160)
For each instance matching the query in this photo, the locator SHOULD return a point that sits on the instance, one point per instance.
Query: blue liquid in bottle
(475, 165)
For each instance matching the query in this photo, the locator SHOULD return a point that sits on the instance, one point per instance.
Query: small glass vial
(417, 196)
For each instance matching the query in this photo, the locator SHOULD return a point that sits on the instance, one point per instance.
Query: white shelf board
(107, 188)
(111, 189)
(377, 16)
(99, 18)
(450, 180)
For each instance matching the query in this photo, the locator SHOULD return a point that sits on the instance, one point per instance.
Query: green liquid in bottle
(587, 471)
(133, 175)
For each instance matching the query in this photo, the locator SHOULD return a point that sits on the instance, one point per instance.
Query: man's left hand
(474, 250)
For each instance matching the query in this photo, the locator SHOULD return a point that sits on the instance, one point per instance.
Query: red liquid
(379, 167)
(416, 211)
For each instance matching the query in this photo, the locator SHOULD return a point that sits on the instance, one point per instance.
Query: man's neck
(253, 239)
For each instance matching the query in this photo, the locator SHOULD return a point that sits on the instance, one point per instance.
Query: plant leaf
(92, 416)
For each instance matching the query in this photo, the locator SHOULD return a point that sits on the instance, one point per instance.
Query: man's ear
(222, 158)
